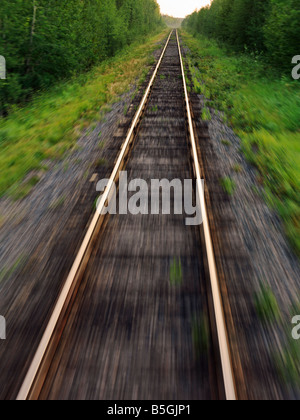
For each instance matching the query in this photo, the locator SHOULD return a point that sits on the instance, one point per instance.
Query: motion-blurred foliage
(49, 125)
(270, 27)
(264, 111)
(47, 40)
(255, 90)
(172, 22)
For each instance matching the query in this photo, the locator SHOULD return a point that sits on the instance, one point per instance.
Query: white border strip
(218, 306)
(38, 358)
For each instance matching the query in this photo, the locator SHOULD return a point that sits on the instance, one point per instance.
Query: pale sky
(181, 8)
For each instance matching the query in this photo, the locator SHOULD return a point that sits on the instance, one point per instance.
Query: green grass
(49, 126)
(101, 162)
(228, 185)
(23, 189)
(206, 115)
(237, 168)
(266, 305)
(264, 111)
(200, 334)
(287, 359)
(125, 110)
(6, 272)
(101, 144)
(176, 272)
(226, 142)
(154, 109)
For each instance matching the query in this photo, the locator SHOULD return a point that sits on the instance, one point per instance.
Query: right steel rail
(228, 376)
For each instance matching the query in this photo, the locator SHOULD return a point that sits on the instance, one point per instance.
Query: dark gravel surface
(131, 332)
(251, 248)
(261, 229)
(41, 235)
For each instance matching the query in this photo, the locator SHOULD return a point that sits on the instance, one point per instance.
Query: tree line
(47, 40)
(261, 26)
(172, 22)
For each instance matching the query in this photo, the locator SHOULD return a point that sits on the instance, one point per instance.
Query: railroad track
(122, 328)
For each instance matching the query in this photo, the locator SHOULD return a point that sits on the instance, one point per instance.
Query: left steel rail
(82, 257)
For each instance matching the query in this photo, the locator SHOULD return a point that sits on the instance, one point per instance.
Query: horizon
(179, 9)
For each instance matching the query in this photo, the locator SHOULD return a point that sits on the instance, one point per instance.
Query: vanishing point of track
(120, 329)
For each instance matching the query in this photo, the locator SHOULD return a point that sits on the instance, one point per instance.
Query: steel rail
(68, 288)
(32, 373)
(228, 376)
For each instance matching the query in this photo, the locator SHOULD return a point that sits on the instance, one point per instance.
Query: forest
(44, 41)
(268, 27)
(244, 58)
(172, 22)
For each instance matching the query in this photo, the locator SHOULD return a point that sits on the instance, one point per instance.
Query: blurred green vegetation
(172, 22)
(269, 27)
(52, 122)
(266, 304)
(287, 357)
(228, 185)
(44, 41)
(264, 110)
(176, 272)
(288, 360)
(201, 335)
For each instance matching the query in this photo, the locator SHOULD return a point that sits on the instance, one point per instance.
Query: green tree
(282, 32)
(47, 40)
(268, 26)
